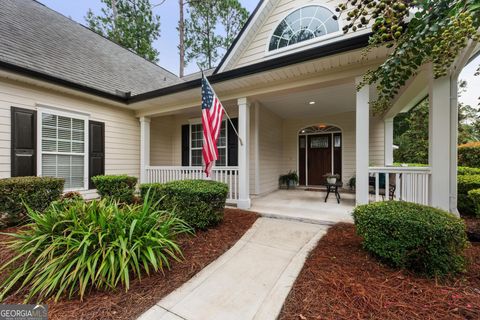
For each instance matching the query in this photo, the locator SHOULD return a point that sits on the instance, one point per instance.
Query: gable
(253, 44)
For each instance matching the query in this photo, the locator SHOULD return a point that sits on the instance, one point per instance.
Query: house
(74, 104)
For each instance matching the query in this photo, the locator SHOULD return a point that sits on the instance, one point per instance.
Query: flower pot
(331, 180)
(291, 184)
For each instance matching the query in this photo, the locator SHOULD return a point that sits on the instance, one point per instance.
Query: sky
(168, 42)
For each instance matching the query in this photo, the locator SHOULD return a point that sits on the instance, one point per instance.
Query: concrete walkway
(249, 281)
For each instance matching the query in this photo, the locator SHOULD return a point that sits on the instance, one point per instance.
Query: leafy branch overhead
(419, 31)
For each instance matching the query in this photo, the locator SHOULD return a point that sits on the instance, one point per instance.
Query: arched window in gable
(303, 24)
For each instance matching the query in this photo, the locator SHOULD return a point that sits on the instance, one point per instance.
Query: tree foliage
(130, 23)
(210, 28)
(420, 31)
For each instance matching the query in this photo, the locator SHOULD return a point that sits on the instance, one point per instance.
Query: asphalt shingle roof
(35, 37)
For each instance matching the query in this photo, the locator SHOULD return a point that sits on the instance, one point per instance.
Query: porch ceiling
(332, 99)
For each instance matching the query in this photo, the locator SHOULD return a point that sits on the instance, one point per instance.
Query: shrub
(36, 192)
(474, 197)
(465, 184)
(75, 246)
(469, 155)
(120, 188)
(468, 171)
(199, 202)
(407, 235)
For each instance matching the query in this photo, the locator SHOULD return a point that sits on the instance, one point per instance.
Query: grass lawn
(198, 250)
(342, 281)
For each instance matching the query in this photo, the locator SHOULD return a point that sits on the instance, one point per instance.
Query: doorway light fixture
(311, 102)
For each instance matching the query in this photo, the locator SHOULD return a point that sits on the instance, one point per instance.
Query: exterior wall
(256, 50)
(377, 146)
(162, 131)
(270, 150)
(122, 129)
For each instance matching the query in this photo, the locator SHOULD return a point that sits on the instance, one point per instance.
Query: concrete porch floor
(306, 206)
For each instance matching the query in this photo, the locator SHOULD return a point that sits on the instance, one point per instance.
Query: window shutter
(23, 142)
(186, 145)
(232, 143)
(96, 151)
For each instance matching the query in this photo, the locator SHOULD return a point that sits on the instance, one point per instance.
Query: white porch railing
(228, 175)
(409, 184)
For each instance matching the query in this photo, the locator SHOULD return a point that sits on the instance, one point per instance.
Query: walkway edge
(272, 306)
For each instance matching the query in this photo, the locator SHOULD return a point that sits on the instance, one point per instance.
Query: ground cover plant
(199, 202)
(75, 246)
(341, 281)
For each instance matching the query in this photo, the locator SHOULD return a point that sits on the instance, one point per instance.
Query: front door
(319, 158)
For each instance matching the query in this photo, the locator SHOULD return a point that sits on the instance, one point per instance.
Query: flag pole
(224, 110)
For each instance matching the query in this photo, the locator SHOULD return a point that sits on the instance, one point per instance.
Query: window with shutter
(196, 145)
(63, 148)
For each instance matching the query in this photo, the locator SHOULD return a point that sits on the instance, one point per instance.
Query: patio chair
(382, 185)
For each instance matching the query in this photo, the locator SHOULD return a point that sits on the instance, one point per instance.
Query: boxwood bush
(120, 188)
(76, 246)
(468, 171)
(469, 155)
(36, 192)
(465, 184)
(199, 202)
(474, 197)
(407, 235)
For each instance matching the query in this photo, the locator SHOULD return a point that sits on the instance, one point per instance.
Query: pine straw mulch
(199, 251)
(341, 281)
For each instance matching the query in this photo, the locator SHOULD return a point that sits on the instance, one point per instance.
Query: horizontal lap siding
(162, 131)
(377, 134)
(256, 49)
(122, 129)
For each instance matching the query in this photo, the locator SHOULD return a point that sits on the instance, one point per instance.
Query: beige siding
(122, 133)
(270, 150)
(256, 50)
(161, 139)
(377, 135)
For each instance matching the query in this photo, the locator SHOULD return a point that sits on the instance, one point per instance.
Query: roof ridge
(104, 37)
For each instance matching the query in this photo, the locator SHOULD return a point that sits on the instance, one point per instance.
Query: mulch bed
(199, 251)
(473, 228)
(341, 281)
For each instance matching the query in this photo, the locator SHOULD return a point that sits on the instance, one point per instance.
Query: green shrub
(36, 192)
(465, 184)
(120, 188)
(76, 246)
(474, 197)
(412, 236)
(469, 155)
(468, 171)
(199, 202)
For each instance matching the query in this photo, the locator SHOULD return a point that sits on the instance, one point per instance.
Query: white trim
(75, 115)
(300, 46)
(257, 147)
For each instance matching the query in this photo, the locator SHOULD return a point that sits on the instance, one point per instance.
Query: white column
(243, 154)
(454, 144)
(439, 141)
(362, 143)
(144, 147)
(388, 140)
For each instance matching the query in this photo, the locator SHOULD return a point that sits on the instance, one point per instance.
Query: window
(63, 148)
(196, 138)
(303, 24)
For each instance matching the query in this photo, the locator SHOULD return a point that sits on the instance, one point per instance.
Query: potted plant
(332, 178)
(290, 179)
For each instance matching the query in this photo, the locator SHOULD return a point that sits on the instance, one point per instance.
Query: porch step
(90, 194)
(298, 219)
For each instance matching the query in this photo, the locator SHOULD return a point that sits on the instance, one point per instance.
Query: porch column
(243, 154)
(362, 143)
(144, 148)
(443, 134)
(388, 127)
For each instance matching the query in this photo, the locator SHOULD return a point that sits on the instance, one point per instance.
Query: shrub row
(199, 202)
(466, 183)
(407, 235)
(35, 192)
(469, 155)
(120, 188)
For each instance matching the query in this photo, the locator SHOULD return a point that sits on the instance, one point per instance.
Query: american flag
(212, 116)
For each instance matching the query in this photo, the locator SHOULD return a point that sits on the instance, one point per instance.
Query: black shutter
(232, 144)
(186, 145)
(96, 151)
(24, 142)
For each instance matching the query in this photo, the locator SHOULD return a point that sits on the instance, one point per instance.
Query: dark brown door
(319, 158)
(96, 151)
(302, 156)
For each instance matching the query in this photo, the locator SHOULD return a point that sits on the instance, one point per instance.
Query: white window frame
(69, 114)
(300, 46)
(190, 148)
